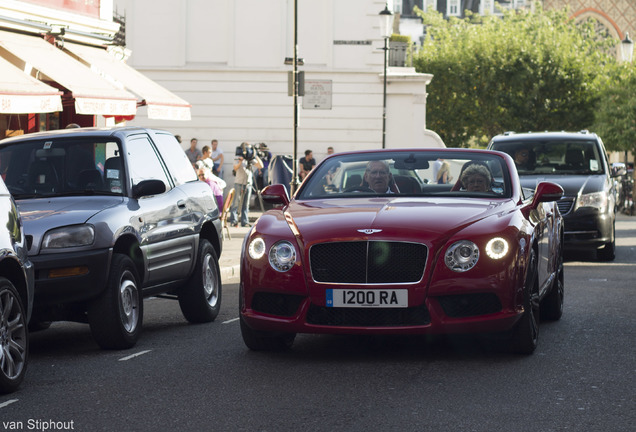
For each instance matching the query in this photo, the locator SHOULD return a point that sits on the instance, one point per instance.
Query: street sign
(317, 94)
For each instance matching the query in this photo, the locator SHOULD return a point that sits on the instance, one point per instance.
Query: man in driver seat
(378, 177)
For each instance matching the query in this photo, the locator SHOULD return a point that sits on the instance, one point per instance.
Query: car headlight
(497, 248)
(69, 236)
(282, 256)
(595, 199)
(462, 256)
(256, 248)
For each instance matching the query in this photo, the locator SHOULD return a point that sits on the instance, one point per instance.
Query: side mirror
(275, 194)
(148, 188)
(546, 192)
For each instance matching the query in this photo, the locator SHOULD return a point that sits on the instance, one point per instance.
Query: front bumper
(588, 228)
(53, 287)
(470, 313)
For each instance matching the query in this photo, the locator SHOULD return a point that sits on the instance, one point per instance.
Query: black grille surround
(368, 317)
(468, 305)
(285, 305)
(368, 262)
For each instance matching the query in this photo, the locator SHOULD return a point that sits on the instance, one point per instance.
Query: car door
(166, 224)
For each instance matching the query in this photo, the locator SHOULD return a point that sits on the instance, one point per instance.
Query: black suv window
(570, 156)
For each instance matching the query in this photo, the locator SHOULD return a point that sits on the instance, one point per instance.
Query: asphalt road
(183, 377)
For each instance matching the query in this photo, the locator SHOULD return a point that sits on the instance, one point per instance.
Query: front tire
(552, 304)
(14, 338)
(116, 316)
(200, 297)
(265, 341)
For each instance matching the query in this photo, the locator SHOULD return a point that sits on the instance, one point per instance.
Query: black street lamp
(386, 28)
(627, 48)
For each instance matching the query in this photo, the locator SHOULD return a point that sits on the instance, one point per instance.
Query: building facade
(227, 58)
(61, 64)
(617, 16)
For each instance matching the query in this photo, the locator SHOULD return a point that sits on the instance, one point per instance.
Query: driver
(378, 177)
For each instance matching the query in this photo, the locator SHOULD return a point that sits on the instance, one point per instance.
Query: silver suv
(577, 161)
(113, 216)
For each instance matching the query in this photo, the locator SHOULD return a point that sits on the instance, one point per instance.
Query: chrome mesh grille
(367, 262)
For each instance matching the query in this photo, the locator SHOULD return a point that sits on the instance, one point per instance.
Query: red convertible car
(418, 241)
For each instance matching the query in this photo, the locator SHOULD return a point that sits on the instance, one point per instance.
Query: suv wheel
(116, 316)
(14, 341)
(200, 297)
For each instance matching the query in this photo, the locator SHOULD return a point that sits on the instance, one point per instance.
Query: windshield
(409, 173)
(558, 157)
(59, 167)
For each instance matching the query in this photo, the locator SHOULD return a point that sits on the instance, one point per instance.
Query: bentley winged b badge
(369, 231)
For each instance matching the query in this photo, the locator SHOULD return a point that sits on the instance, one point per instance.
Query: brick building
(617, 16)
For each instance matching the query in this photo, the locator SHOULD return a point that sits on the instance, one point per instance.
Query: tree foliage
(616, 111)
(528, 70)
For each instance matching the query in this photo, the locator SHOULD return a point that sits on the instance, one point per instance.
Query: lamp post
(627, 48)
(386, 28)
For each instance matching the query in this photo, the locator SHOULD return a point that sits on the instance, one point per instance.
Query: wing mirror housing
(148, 188)
(546, 192)
(275, 194)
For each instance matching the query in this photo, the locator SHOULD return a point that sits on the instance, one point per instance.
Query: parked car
(114, 215)
(371, 258)
(16, 295)
(578, 162)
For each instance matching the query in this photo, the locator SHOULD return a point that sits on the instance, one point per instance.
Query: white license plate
(397, 298)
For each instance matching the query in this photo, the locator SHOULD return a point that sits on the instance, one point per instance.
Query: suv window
(143, 163)
(175, 158)
(554, 156)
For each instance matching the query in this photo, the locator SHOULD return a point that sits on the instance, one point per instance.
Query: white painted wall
(226, 58)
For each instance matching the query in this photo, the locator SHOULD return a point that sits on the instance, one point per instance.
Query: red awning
(93, 94)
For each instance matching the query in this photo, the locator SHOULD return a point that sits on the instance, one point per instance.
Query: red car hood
(420, 219)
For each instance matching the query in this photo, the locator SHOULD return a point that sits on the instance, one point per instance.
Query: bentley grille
(368, 262)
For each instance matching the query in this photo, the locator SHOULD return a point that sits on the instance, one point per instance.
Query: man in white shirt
(217, 157)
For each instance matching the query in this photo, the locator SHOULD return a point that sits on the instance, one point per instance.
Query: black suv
(578, 162)
(112, 216)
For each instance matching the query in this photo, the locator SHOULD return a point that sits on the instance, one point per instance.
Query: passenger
(476, 178)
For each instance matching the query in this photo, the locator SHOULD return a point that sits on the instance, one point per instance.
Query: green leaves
(526, 71)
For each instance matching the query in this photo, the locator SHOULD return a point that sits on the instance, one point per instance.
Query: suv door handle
(181, 204)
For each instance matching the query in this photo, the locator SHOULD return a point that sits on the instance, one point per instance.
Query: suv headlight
(69, 236)
(596, 199)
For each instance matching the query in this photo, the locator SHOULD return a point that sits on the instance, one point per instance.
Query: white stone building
(226, 58)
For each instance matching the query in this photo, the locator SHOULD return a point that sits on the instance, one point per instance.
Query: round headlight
(462, 256)
(497, 248)
(282, 256)
(256, 248)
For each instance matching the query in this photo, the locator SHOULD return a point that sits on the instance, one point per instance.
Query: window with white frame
(430, 5)
(487, 7)
(453, 7)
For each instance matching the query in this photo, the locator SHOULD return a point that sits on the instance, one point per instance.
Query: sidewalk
(229, 261)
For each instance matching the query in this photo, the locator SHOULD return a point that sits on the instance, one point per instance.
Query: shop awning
(23, 94)
(92, 94)
(162, 104)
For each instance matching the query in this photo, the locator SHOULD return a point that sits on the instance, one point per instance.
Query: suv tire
(116, 316)
(200, 297)
(14, 340)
